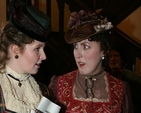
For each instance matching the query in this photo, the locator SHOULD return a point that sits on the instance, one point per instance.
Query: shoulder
(2, 76)
(55, 78)
(2, 103)
(127, 71)
(44, 89)
(70, 74)
(115, 81)
(111, 77)
(124, 83)
(131, 76)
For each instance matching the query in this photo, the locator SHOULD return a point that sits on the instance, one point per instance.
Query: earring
(16, 57)
(102, 57)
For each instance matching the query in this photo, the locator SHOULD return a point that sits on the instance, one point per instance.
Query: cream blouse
(20, 99)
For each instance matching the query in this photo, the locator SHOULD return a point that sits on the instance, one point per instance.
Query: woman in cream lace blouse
(22, 42)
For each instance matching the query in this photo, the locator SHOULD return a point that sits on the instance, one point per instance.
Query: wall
(55, 14)
(131, 26)
(2, 11)
(42, 7)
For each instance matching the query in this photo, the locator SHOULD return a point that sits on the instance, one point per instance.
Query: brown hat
(29, 20)
(83, 25)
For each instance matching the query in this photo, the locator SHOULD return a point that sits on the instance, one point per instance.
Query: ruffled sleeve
(53, 88)
(53, 92)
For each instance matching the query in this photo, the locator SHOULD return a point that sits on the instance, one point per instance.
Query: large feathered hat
(83, 25)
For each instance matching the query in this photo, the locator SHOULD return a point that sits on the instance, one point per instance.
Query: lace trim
(12, 98)
(94, 99)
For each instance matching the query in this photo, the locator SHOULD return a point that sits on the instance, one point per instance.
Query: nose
(112, 57)
(43, 56)
(77, 53)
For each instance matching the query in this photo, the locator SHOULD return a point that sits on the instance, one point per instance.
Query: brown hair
(105, 42)
(10, 35)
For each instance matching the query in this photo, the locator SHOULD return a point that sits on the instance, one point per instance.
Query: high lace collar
(21, 77)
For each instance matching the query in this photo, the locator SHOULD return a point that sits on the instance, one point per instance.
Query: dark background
(60, 55)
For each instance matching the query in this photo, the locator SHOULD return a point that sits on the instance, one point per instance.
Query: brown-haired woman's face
(88, 57)
(114, 59)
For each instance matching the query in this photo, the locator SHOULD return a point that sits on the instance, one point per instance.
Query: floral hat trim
(82, 17)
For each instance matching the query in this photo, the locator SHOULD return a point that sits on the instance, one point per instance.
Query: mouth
(81, 64)
(38, 65)
(113, 63)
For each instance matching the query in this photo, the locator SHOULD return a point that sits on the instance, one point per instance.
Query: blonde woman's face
(30, 59)
(88, 57)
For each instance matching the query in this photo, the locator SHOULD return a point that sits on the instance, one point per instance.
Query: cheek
(30, 57)
(93, 59)
(119, 61)
(74, 54)
(95, 55)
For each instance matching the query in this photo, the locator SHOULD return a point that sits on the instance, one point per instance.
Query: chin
(112, 67)
(34, 72)
(82, 72)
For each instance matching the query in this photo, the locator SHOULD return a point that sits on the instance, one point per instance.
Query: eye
(86, 47)
(37, 48)
(75, 46)
(109, 56)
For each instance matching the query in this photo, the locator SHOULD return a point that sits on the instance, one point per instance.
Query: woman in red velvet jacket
(90, 89)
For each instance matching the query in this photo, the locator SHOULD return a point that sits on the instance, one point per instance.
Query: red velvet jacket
(119, 101)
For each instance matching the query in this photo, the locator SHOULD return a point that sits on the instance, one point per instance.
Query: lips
(113, 63)
(38, 65)
(81, 64)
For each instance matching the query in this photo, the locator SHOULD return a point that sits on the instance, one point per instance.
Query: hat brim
(70, 38)
(28, 32)
(31, 21)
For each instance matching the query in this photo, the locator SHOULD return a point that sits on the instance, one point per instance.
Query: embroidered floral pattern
(83, 106)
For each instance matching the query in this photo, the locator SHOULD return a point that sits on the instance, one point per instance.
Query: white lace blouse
(20, 99)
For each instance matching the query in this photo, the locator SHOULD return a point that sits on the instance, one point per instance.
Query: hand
(38, 111)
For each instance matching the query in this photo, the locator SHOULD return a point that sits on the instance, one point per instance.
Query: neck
(93, 75)
(115, 70)
(18, 80)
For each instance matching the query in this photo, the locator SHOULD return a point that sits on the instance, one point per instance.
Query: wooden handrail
(84, 6)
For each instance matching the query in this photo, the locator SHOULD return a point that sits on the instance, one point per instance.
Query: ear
(14, 49)
(102, 53)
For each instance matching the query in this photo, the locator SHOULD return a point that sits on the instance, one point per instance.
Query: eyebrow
(83, 43)
(42, 45)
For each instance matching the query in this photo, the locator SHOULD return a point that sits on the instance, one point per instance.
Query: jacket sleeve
(127, 106)
(53, 88)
